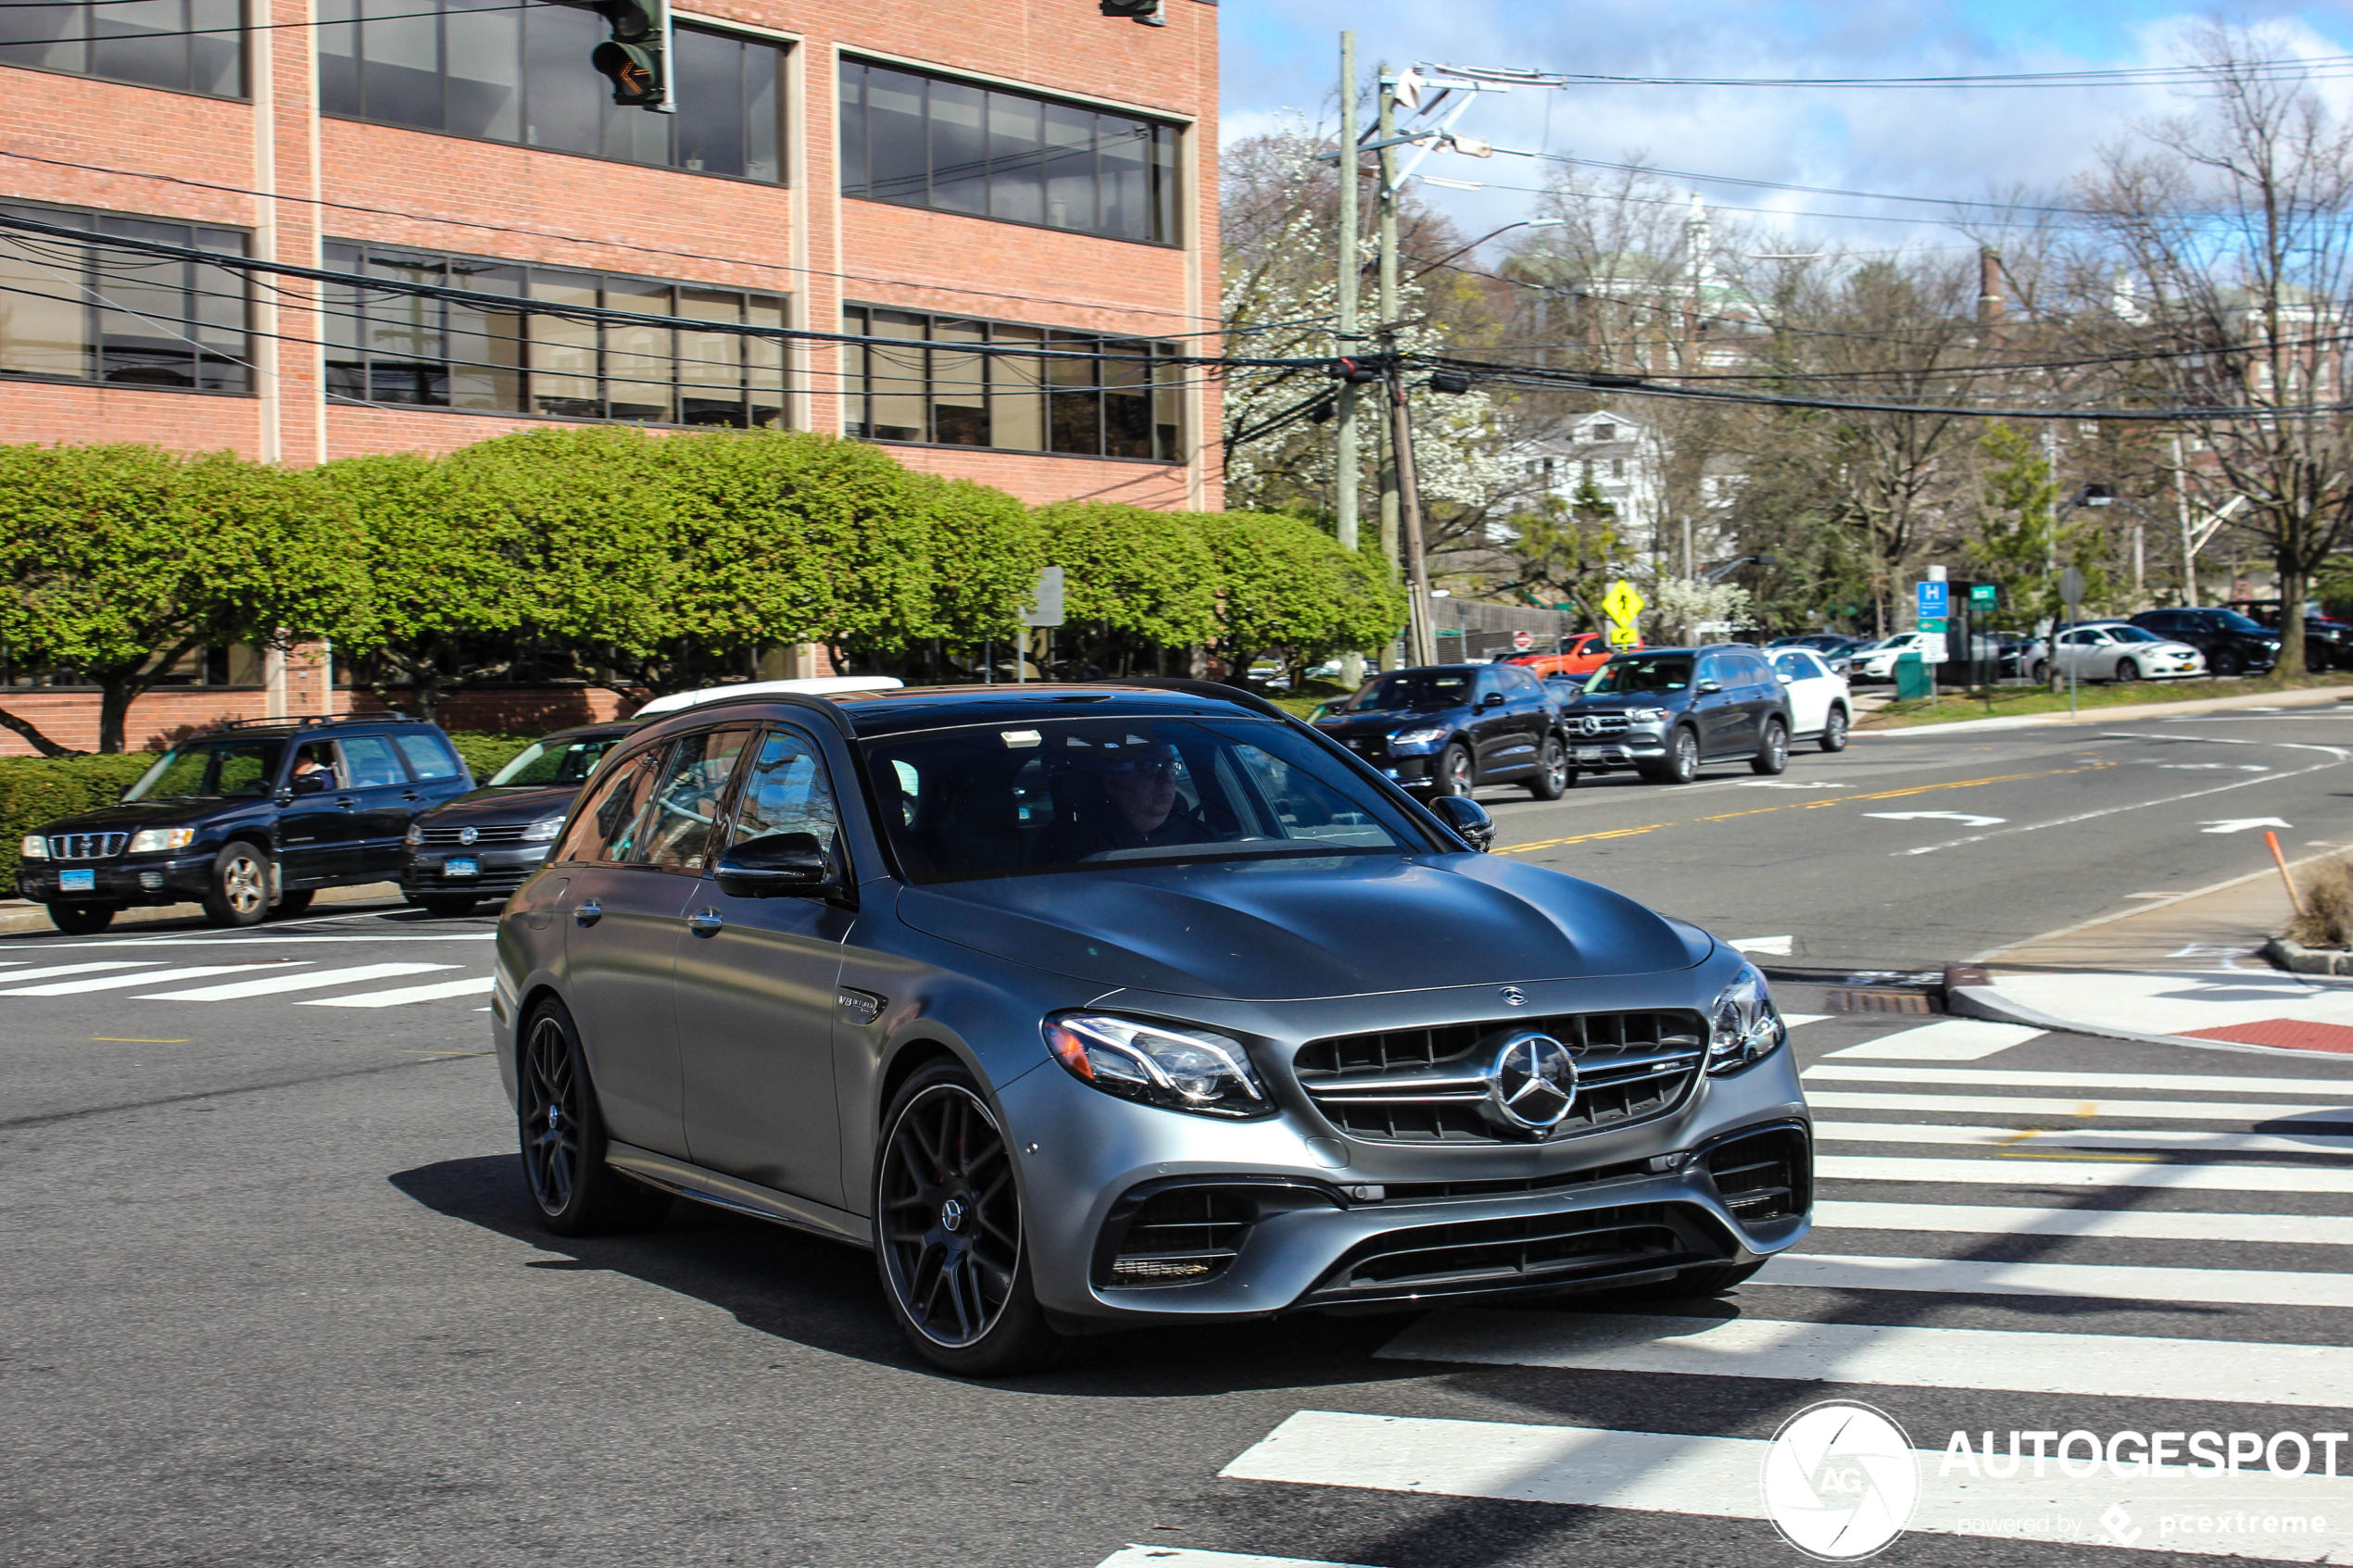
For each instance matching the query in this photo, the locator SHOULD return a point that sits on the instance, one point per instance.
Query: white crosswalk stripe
(54, 971)
(1190, 1557)
(124, 982)
(255, 980)
(237, 990)
(2098, 1234)
(473, 985)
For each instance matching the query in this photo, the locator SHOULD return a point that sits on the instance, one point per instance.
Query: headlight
(155, 841)
(416, 834)
(545, 828)
(1158, 1063)
(1644, 715)
(34, 848)
(1404, 738)
(1743, 1025)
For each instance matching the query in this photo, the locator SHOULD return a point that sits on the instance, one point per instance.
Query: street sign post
(1522, 642)
(1931, 599)
(1983, 596)
(2071, 587)
(1044, 609)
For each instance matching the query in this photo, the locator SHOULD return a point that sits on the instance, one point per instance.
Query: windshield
(1070, 794)
(1414, 691)
(2231, 621)
(555, 762)
(2131, 634)
(1670, 673)
(222, 768)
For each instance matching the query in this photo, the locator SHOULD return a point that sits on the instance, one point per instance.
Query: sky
(1281, 63)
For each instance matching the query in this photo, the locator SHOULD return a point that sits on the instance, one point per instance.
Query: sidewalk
(2184, 971)
(2123, 713)
(21, 917)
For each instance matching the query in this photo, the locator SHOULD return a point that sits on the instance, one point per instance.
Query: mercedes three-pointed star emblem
(1533, 1083)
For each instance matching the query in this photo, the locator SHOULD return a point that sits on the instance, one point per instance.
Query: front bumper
(127, 881)
(501, 868)
(1295, 1216)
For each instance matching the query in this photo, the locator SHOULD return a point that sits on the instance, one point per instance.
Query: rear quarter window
(429, 757)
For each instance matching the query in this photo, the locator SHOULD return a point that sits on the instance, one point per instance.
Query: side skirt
(745, 1197)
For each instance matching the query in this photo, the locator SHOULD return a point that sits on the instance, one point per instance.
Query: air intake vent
(1763, 1176)
(1185, 1235)
(1582, 1247)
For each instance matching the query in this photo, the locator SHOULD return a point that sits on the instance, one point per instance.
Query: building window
(437, 353)
(917, 378)
(1617, 468)
(87, 310)
(1605, 433)
(192, 45)
(921, 141)
(485, 69)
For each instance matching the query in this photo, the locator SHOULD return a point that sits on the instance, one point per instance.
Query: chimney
(1989, 291)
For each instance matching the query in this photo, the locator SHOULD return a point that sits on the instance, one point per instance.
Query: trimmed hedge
(36, 791)
(486, 751)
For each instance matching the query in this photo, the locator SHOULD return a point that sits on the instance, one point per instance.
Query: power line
(142, 35)
(2327, 67)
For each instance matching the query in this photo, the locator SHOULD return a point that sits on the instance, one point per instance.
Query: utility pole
(1385, 307)
(2181, 513)
(1423, 645)
(1352, 664)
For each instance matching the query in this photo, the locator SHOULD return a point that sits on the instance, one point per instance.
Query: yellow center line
(2022, 1137)
(1796, 805)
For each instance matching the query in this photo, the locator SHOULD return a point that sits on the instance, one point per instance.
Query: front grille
(1766, 1175)
(1511, 1186)
(1371, 746)
(504, 833)
(87, 845)
(1592, 1245)
(1429, 1085)
(1585, 726)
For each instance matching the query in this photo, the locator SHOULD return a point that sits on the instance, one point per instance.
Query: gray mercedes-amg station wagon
(1093, 1006)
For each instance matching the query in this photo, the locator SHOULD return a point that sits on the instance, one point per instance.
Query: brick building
(922, 178)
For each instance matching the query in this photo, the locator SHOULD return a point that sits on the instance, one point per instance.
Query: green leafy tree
(985, 550)
(121, 560)
(2018, 536)
(1568, 552)
(1284, 585)
(1138, 583)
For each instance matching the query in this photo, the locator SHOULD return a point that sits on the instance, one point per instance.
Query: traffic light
(1145, 11)
(636, 58)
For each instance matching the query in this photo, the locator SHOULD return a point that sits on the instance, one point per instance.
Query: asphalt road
(273, 1294)
(1912, 850)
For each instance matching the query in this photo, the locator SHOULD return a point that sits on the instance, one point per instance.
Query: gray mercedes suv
(1091, 1006)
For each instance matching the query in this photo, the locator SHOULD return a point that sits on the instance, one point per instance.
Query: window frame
(243, 43)
(740, 788)
(94, 310)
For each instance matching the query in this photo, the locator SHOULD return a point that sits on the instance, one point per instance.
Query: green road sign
(1932, 623)
(1985, 594)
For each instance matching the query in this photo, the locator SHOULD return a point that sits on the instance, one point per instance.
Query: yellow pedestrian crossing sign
(1621, 605)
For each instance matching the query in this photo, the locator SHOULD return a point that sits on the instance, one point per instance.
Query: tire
(291, 904)
(1772, 756)
(2229, 662)
(1554, 775)
(947, 1224)
(1683, 760)
(1454, 775)
(2127, 669)
(562, 1134)
(82, 920)
(1834, 728)
(447, 905)
(2042, 675)
(237, 891)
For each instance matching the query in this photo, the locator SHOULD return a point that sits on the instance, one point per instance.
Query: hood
(130, 816)
(1390, 720)
(1611, 702)
(483, 807)
(1292, 930)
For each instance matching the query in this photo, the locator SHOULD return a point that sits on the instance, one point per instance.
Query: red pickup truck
(1581, 653)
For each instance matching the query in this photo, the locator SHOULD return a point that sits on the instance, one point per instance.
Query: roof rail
(1217, 689)
(834, 715)
(316, 722)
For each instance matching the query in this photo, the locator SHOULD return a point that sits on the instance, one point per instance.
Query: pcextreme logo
(1840, 1481)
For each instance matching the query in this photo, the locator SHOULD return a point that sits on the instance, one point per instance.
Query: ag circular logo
(1533, 1082)
(1840, 1481)
(468, 834)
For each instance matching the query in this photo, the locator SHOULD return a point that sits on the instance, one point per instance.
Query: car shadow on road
(824, 1295)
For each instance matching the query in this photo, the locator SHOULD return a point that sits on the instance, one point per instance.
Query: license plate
(1590, 753)
(78, 882)
(461, 865)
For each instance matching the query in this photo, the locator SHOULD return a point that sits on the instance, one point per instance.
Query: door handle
(589, 913)
(702, 922)
(348, 802)
(410, 794)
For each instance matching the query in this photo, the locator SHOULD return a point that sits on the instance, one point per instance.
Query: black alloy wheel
(1554, 775)
(2128, 669)
(948, 1231)
(237, 893)
(1773, 756)
(563, 1137)
(1833, 737)
(1454, 775)
(82, 920)
(2229, 662)
(291, 904)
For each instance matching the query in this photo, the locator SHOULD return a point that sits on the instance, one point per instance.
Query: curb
(2122, 712)
(1986, 1003)
(21, 917)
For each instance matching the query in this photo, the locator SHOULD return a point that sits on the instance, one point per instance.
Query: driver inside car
(1120, 797)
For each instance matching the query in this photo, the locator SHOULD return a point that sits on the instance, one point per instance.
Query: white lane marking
(1788, 783)
(1795, 1018)
(1194, 1557)
(2083, 1137)
(1777, 944)
(310, 980)
(2027, 1105)
(1954, 1039)
(2242, 824)
(57, 970)
(1962, 817)
(1723, 1478)
(2066, 1171)
(123, 981)
(2025, 1361)
(2153, 1083)
(1971, 1219)
(2270, 1287)
(148, 943)
(474, 985)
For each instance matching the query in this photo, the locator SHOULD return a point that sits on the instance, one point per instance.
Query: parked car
(245, 818)
(1579, 654)
(1448, 728)
(1093, 1006)
(1876, 661)
(1668, 712)
(486, 843)
(2328, 644)
(1836, 647)
(2233, 644)
(1821, 707)
(2113, 650)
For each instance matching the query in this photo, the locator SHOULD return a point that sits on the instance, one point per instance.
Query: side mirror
(1709, 688)
(307, 783)
(1789, 680)
(1492, 700)
(781, 865)
(1468, 818)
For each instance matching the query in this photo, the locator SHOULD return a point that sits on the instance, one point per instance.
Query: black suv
(1448, 728)
(1665, 712)
(486, 843)
(2233, 644)
(253, 814)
